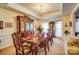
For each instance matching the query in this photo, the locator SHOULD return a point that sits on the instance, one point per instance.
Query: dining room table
(36, 41)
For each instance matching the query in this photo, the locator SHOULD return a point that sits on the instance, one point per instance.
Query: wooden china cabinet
(24, 23)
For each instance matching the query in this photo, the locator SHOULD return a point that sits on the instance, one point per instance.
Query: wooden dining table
(36, 42)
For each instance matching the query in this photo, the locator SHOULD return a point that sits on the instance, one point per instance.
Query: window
(45, 26)
(77, 25)
(58, 28)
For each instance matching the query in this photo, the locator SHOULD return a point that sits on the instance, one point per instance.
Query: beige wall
(5, 34)
(66, 21)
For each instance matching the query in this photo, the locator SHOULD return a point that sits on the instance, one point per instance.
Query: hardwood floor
(56, 49)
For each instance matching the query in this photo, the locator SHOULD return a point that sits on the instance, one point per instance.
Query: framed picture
(8, 25)
(1, 24)
(65, 24)
(70, 23)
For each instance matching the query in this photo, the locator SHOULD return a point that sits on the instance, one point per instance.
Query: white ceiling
(51, 10)
(47, 7)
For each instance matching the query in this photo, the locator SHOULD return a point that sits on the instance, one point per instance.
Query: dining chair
(39, 47)
(50, 38)
(43, 44)
(21, 48)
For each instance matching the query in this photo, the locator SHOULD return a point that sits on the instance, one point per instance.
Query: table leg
(48, 45)
(45, 49)
(36, 50)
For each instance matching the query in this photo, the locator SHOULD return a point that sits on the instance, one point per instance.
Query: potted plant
(39, 29)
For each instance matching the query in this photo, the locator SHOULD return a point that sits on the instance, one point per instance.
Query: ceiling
(45, 8)
(51, 11)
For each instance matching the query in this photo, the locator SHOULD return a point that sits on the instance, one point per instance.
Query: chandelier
(41, 10)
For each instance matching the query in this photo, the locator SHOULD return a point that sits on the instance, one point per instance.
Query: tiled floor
(56, 49)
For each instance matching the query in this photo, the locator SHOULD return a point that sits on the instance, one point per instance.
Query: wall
(5, 34)
(66, 21)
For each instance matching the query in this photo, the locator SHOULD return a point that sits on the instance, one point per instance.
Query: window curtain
(58, 29)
